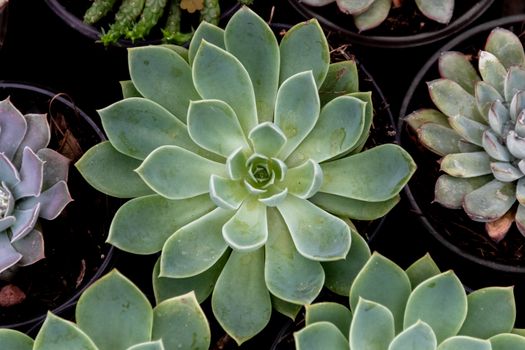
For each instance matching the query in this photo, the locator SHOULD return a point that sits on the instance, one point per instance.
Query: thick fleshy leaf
(464, 343)
(247, 230)
(452, 99)
(202, 284)
(419, 336)
(516, 144)
(128, 89)
(374, 175)
(507, 342)
(176, 173)
(208, 32)
(112, 172)
(267, 139)
(421, 270)
(214, 126)
(274, 197)
(439, 10)
(520, 190)
(151, 345)
(114, 300)
(142, 225)
(8, 172)
(242, 312)
(52, 201)
(492, 71)
(163, 76)
(337, 314)
(486, 95)
(317, 234)
(370, 320)
(321, 335)
(31, 246)
(374, 15)
(288, 275)
(137, 126)
(506, 46)
(440, 139)
(354, 208)
(494, 147)
(15, 340)
(498, 117)
(304, 48)
(379, 269)
(491, 201)
(340, 80)
(338, 129)
(450, 191)
(59, 334)
(31, 175)
(466, 164)
(56, 167)
(285, 308)
(297, 109)
(426, 115)
(195, 247)
(251, 40)
(491, 311)
(514, 82)
(369, 115)
(441, 302)
(305, 180)
(181, 324)
(37, 135)
(354, 7)
(218, 74)
(13, 127)
(468, 129)
(25, 221)
(505, 171)
(340, 274)
(8, 255)
(516, 109)
(226, 193)
(520, 218)
(454, 65)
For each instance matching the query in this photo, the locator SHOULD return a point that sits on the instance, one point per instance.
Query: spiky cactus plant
(480, 132)
(368, 14)
(33, 184)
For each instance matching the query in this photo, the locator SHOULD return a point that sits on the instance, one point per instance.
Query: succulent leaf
(492, 71)
(486, 95)
(341, 79)
(466, 164)
(334, 313)
(450, 191)
(419, 336)
(207, 32)
(60, 334)
(452, 99)
(438, 10)
(370, 319)
(423, 116)
(490, 201)
(15, 340)
(13, 127)
(354, 208)
(440, 139)
(321, 335)
(468, 129)
(373, 16)
(421, 270)
(507, 342)
(247, 230)
(455, 65)
(506, 46)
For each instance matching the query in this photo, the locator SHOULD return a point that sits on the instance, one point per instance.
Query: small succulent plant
(233, 150)
(421, 309)
(369, 14)
(480, 132)
(33, 184)
(113, 314)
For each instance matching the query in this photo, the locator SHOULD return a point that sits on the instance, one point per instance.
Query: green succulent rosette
(240, 155)
(479, 130)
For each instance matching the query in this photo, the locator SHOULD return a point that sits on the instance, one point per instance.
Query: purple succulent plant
(32, 185)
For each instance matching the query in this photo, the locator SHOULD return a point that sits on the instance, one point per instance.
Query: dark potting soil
(402, 21)
(75, 246)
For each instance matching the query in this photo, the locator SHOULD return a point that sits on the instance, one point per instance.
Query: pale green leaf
(285, 308)
(15, 340)
(456, 66)
(470, 164)
(452, 99)
(514, 82)
(492, 71)
(247, 230)
(288, 275)
(242, 312)
(372, 327)
(440, 139)
(128, 89)
(506, 46)
(355, 6)
(59, 334)
(304, 180)
(438, 10)
(373, 16)
(419, 336)
(421, 270)
(337, 314)
(341, 79)
(142, 225)
(464, 343)
(112, 172)
(321, 335)
(208, 32)
(226, 193)
(426, 115)
(490, 201)
(354, 208)
(151, 345)
(267, 139)
(507, 342)
(114, 300)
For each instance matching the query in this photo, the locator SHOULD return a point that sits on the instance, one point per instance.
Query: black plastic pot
(75, 248)
(332, 19)
(457, 242)
(72, 13)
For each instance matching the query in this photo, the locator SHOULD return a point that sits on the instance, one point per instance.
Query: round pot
(333, 19)
(456, 241)
(72, 13)
(75, 248)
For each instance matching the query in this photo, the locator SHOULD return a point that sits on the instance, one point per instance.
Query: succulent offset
(33, 184)
(113, 314)
(422, 309)
(368, 14)
(236, 151)
(480, 132)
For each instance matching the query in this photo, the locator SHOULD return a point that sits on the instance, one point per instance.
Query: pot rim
(397, 41)
(94, 34)
(418, 79)
(18, 85)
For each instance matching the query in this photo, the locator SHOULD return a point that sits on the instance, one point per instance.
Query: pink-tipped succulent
(32, 185)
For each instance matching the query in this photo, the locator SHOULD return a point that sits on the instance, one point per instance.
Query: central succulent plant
(480, 131)
(33, 184)
(232, 148)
